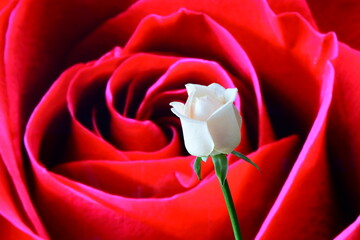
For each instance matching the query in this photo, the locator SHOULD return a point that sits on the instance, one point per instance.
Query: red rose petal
(124, 93)
(4, 3)
(83, 144)
(339, 16)
(299, 6)
(97, 214)
(160, 101)
(173, 148)
(268, 37)
(129, 84)
(224, 51)
(39, 123)
(292, 42)
(188, 71)
(16, 208)
(13, 218)
(118, 30)
(311, 48)
(294, 89)
(39, 37)
(343, 130)
(87, 89)
(275, 159)
(135, 179)
(51, 122)
(8, 231)
(28, 72)
(227, 52)
(143, 179)
(306, 208)
(140, 68)
(352, 232)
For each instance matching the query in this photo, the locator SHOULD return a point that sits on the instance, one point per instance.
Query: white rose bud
(210, 122)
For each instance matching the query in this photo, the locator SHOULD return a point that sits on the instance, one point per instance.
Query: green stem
(231, 209)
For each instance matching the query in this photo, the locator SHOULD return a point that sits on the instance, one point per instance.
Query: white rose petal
(203, 107)
(197, 138)
(210, 122)
(224, 128)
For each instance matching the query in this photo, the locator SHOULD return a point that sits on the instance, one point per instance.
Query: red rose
(89, 148)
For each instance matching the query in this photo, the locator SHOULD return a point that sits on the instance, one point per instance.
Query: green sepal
(221, 166)
(197, 167)
(242, 156)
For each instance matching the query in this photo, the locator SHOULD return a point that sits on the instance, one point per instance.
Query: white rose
(210, 122)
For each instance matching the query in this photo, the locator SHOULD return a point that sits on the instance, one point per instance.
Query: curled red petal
(343, 130)
(339, 16)
(93, 206)
(351, 232)
(307, 194)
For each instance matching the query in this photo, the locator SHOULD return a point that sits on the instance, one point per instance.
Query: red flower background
(90, 150)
